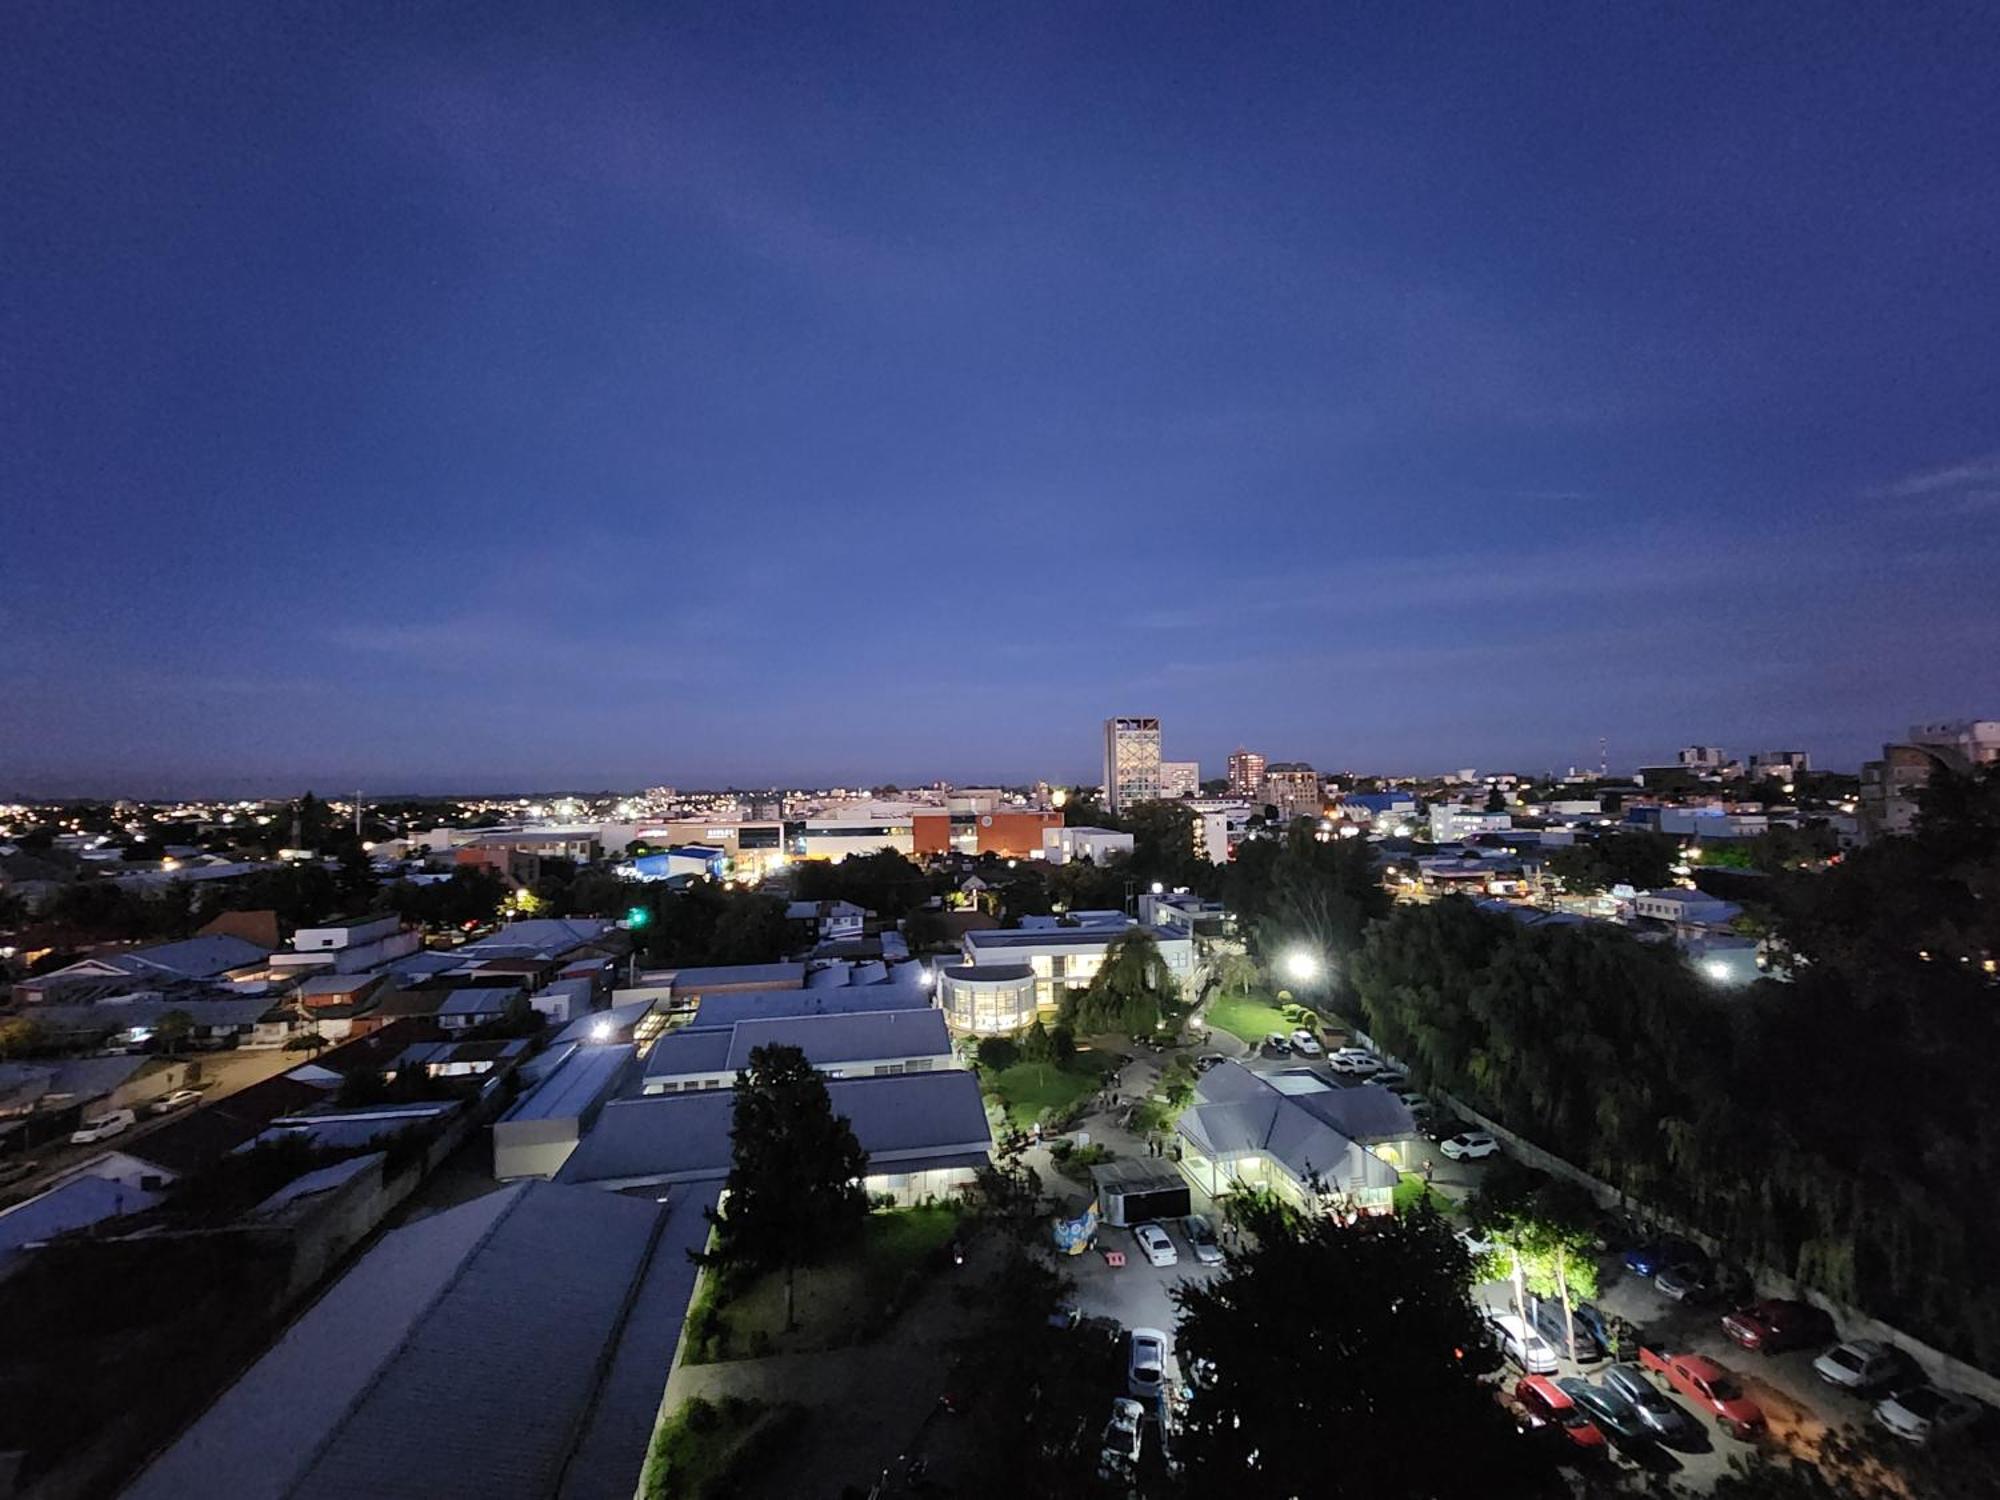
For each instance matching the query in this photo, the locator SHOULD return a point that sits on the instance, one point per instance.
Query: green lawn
(1251, 1017)
(1030, 1089)
(843, 1302)
(1412, 1190)
(707, 1449)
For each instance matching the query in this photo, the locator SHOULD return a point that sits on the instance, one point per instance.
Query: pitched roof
(726, 1010)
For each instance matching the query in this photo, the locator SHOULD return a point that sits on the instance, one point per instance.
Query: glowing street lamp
(1301, 967)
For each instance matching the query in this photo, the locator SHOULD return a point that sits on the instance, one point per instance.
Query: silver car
(1200, 1235)
(1146, 1370)
(1661, 1417)
(1923, 1413)
(1521, 1344)
(1860, 1364)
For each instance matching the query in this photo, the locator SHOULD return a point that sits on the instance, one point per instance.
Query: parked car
(1306, 1044)
(1924, 1413)
(1523, 1346)
(1688, 1281)
(1469, 1145)
(1708, 1386)
(1615, 1417)
(1208, 1060)
(1146, 1368)
(1358, 1061)
(178, 1099)
(1864, 1365)
(1118, 1454)
(103, 1127)
(1278, 1046)
(1066, 1316)
(1664, 1419)
(1546, 1405)
(1775, 1324)
(1650, 1257)
(1201, 1239)
(1599, 1322)
(1546, 1313)
(1155, 1244)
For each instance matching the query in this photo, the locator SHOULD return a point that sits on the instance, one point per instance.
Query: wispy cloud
(1963, 488)
(469, 644)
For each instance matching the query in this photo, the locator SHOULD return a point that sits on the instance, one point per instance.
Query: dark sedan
(1618, 1418)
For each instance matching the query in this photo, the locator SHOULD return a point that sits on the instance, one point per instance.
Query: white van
(103, 1127)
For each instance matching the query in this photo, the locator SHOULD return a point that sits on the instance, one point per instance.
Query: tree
(751, 930)
(1236, 971)
(173, 1029)
(794, 1191)
(1546, 1226)
(1365, 1331)
(21, 1036)
(1639, 859)
(1129, 991)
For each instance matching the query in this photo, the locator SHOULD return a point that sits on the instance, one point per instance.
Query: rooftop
(663, 1137)
(584, 1077)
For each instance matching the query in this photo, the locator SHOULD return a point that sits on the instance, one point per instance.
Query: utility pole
(357, 812)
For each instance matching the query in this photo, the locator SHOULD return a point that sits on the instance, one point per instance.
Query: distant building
(1703, 758)
(1180, 778)
(1098, 845)
(1067, 958)
(1780, 764)
(1009, 833)
(1889, 786)
(1293, 787)
(1131, 762)
(1246, 774)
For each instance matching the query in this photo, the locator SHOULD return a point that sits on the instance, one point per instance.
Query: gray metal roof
(828, 1040)
(460, 1357)
(684, 1052)
(662, 1137)
(724, 1011)
(586, 1076)
(1236, 1113)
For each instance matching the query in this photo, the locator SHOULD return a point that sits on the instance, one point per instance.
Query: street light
(1301, 967)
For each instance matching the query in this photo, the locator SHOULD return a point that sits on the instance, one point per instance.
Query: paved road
(222, 1074)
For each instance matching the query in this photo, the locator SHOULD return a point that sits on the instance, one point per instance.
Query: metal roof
(661, 1137)
(585, 1077)
(462, 1356)
(724, 1011)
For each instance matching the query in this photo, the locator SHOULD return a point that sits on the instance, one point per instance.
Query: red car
(1709, 1386)
(1775, 1325)
(1545, 1405)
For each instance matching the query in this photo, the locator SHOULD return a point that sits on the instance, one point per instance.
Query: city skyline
(514, 402)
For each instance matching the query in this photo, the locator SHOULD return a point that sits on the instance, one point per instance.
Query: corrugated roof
(724, 1011)
(585, 1077)
(684, 1052)
(765, 976)
(686, 1136)
(830, 1040)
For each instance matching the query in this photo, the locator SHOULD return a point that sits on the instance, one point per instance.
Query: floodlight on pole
(1301, 967)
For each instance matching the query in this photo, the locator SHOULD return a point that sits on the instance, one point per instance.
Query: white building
(1180, 778)
(1454, 821)
(1068, 958)
(1061, 845)
(857, 1044)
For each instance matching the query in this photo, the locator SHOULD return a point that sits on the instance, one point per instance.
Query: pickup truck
(1708, 1386)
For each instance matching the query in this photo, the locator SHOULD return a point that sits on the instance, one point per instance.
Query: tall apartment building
(1180, 778)
(1294, 788)
(1704, 758)
(1131, 762)
(1246, 774)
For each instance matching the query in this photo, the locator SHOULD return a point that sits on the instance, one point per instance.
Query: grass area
(1412, 1190)
(1029, 1090)
(846, 1301)
(707, 1449)
(1251, 1017)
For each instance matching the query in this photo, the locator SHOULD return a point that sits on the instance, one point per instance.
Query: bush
(1036, 1045)
(999, 1053)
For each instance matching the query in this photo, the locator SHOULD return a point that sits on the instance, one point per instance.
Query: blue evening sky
(485, 395)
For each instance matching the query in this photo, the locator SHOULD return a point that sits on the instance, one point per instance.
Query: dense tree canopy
(1639, 859)
(1841, 1128)
(1130, 992)
(885, 882)
(1338, 1354)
